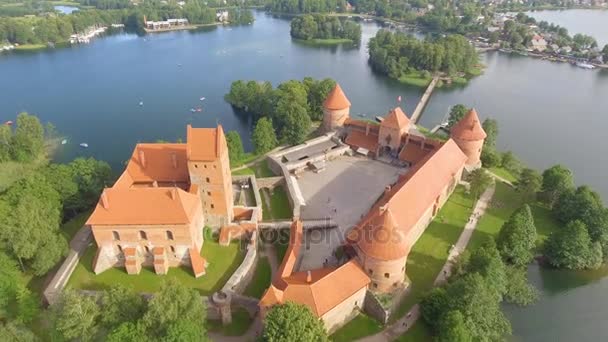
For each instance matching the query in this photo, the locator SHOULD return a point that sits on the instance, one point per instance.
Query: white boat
(64, 141)
(202, 99)
(141, 103)
(192, 110)
(585, 66)
(84, 145)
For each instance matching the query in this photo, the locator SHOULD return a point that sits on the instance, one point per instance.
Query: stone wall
(271, 182)
(373, 308)
(242, 276)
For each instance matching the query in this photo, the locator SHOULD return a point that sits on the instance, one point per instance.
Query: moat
(547, 113)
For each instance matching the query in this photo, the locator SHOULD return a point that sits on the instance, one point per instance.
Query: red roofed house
(394, 127)
(155, 212)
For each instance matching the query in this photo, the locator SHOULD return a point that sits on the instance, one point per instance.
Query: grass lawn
(223, 261)
(260, 170)
(415, 79)
(12, 171)
(360, 326)
(506, 200)
(30, 47)
(243, 172)
(261, 279)
(241, 321)
(504, 173)
(322, 42)
(279, 205)
(431, 251)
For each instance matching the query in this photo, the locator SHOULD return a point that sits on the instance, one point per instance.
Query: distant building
(538, 43)
(165, 24)
(155, 212)
(222, 16)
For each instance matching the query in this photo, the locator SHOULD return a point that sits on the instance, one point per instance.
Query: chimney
(174, 160)
(142, 158)
(308, 277)
(387, 189)
(105, 203)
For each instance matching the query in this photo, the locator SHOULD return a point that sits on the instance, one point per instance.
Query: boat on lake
(199, 109)
(84, 145)
(9, 123)
(64, 141)
(202, 99)
(141, 103)
(192, 110)
(585, 66)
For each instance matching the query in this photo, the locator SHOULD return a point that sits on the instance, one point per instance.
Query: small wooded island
(325, 30)
(412, 61)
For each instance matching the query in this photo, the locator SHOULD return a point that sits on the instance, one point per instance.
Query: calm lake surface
(590, 22)
(548, 113)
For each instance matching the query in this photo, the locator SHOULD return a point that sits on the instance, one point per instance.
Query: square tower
(209, 169)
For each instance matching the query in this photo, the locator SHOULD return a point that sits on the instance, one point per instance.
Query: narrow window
(173, 249)
(147, 249)
(386, 275)
(212, 206)
(370, 271)
(115, 236)
(142, 235)
(169, 235)
(208, 181)
(208, 193)
(119, 249)
(375, 285)
(196, 166)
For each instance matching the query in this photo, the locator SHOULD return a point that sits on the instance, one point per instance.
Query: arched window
(169, 235)
(143, 235)
(115, 236)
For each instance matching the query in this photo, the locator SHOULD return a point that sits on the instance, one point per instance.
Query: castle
(381, 241)
(155, 212)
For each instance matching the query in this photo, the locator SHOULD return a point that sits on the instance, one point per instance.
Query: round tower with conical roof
(336, 109)
(469, 135)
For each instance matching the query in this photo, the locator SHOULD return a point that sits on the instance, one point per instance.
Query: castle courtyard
(344, 192)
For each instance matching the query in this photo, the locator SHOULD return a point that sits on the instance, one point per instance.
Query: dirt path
(402, 325)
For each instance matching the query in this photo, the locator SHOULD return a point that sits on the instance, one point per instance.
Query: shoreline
(324, 42)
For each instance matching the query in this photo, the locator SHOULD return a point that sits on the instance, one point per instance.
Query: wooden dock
(424, 100)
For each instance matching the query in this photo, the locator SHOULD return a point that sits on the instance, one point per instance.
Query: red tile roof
(291, 256)
(204, 144)
(469, 127)
(336, 99)
(409, 199)
(359, 139)
(327, 288)
(154, 206)
(199, 264)
(380, 236)
(157, 162)
(396, 118)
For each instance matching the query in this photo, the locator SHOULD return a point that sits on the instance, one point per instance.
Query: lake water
(590, 22)
(548, 113)
(66, 9)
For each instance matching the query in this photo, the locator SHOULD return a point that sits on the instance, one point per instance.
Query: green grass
(475, 71)
(261, 279)
(324, 42)
(30, 47)
(281, 245)
(280, 208)
(505, 201)
(262, 170)
(431, 251)
(244, 172)
(241, 321)
(545, 223)
(223, 261)
(358, 327)
(504, 173)
(415, 79)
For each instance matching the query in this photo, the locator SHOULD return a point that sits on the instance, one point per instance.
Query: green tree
(433, 306)
(172, 304)
(571, 248)
(185, 331)
(5, 142)
(511, 163)
(14, 332)
(17, 303)
(479, 181)
(295, 122)
(264, 138)
(453, 329)
(457, 112)
(487, 262)
(76, 316)
(127, 331)
(556, 181)
(291, 322)
(490, 126)
(517, 237)
(31, 211)
(529, 184)
(490, 157)
(519, 291)
(236, 151)
(121, 304)
(91, 176)
(28, 141)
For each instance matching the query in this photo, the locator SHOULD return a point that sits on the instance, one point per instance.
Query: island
(325, 30)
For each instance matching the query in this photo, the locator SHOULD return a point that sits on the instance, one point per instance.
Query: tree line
(319, 26)
(306, 6)
(398, 54)
(291, 106)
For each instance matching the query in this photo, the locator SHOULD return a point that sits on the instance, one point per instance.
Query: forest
(398, 54)
(319, 26)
